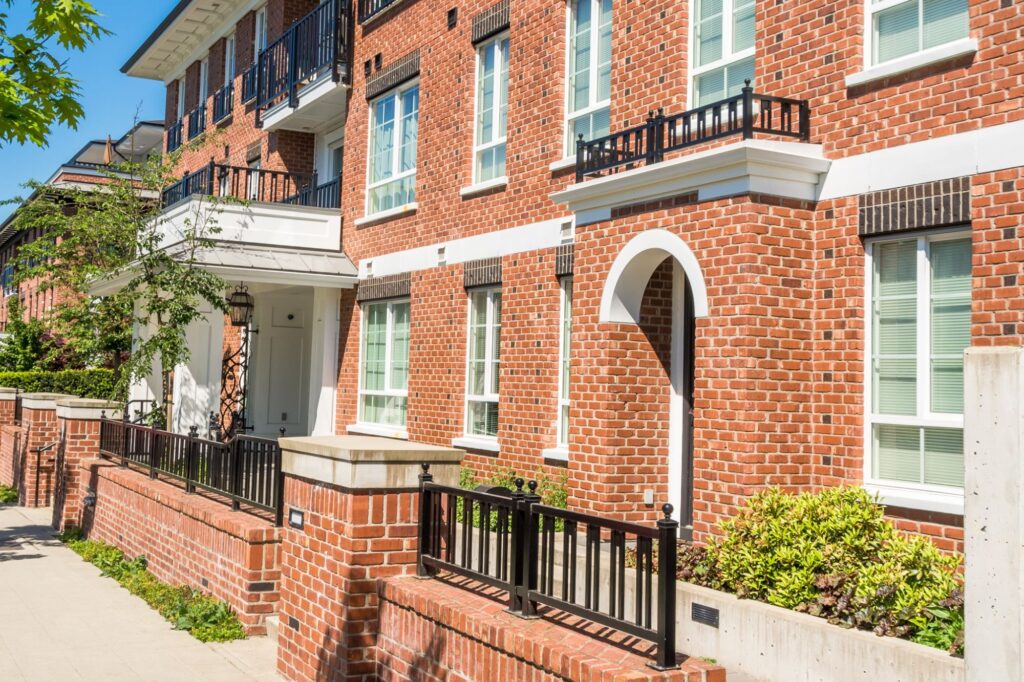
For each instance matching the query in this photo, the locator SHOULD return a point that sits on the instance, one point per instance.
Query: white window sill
(398, 212)
(476, 443)
(481, 187)
(940, 53)
(560, 454)
(378, 430)
(912, 498)
(563, 164)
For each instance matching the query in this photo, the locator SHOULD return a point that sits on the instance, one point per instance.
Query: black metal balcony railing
(313, 47)
(223, 101)
(371, 8)
(249, 84)
(244, 470)
(743, 115)
(197, 121)
(255, 184)
(510, 541)
(174, 135)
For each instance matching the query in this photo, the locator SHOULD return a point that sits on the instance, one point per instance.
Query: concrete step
(273, 626)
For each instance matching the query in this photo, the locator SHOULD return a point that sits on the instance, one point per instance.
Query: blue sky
(110, 98)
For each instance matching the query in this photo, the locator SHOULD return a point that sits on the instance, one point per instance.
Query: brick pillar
(79, 431)
(9, 436)
(351, 506)
(40, 438)
(7, 396)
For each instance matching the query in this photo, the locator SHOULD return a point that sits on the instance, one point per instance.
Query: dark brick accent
(482, 272)
(262, 587)
(389, 286)
(932, 204)
(490, 21)
(394, 75)
(564, 260)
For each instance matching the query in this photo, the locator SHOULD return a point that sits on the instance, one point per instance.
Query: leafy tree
(25, 347)
(118, 231)
(36, 88)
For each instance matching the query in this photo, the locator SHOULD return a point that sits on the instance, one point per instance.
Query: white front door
(279, 395)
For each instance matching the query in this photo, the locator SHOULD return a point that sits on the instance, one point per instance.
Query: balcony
(673, 155)
(223, 101)
(300, 77)
(249, 84)
(368, 9)
(197, 121)
(174, 135)
(256, 185)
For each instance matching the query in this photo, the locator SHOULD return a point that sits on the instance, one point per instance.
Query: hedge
(84, 383)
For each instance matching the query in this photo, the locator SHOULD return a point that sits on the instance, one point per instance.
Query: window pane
(483, 419)
(894, 343)
(944, 21)
(410, 128)
(710, 87)
(896, 32)
(374, 345)
(591, 126)
(382, 144)
(604, 52)
(950, 323)
(709, 31)
(743, 25)
(944, 457)
(897, 453)
(503, 90)
(485, 95)
(579, 55)
(399, 347)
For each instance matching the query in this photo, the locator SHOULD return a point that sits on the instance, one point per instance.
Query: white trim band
(941, 53)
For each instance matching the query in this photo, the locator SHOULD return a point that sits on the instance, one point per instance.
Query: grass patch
(204, 617)
(8, 495)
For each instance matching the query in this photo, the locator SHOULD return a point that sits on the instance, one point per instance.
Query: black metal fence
(371, 8)
(223, 102)
(174, 135)
(314, 45)
(255, 184)
(509, 540)
(245, 470)
(741, 115)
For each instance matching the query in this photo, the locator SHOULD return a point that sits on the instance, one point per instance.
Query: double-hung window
(204, 82)
(384, 375)
(491, 109)
(919, 326)
(180, 104)
(898, 28)
(723, 48)
(565, 331)
(260, 34)
(589, 70)
(394, 122)
(229, 59)
(484, 362)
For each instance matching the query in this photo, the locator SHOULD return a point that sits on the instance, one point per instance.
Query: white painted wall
(323, 361)
(994, 513)
(197, 383)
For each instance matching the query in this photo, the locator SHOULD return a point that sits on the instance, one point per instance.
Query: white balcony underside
(321, 107)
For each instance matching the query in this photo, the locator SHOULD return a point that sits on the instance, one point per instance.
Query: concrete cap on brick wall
(8, 393)
(368, 462)
(42, 401)
(83, 408)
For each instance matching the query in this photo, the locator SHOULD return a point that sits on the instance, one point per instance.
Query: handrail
(174, 135)
(249, 83)
(368, 9)
(223, 101)
(509, 540)
(197, 121)
(254, 184)
(741, 115)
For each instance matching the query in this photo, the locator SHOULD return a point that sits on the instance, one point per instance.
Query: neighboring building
(90, 167)
(772, 289)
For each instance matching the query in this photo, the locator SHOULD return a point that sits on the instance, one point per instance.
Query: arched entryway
(659, 253)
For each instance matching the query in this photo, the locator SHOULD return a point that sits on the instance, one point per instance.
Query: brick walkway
(60, 620)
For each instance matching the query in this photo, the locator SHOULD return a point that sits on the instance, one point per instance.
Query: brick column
(40, 438)
(7, 396)
(9, 436)
(351, 507)
(79, 431)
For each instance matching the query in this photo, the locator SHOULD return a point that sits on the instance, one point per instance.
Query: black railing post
(125, 435)
(529, 557)
(805, 120)
(279, 473)
(516, 594)
(427, 531)
(293, 60)
(190, 459)
(580, 147)
(339, 26)
(748, 110)
(154, 453)
(667, 534)
(210, 169)
(234, 473)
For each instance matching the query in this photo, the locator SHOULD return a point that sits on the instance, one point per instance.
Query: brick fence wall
(10, 451)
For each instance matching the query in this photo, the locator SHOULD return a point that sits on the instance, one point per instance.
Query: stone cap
(355, 462)
(8, 393)
(42, 401)
(84, 408)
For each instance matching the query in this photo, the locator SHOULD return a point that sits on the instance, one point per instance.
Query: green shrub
(8, 495)
(84, 383)
(553, 492)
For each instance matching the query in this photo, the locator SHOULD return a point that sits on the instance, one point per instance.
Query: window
(563, 363)
(335, 160)
(723, 48)
(180, 104)
(260, 39)
(393, 132)
(229, 59)
(589, 69)
(484, 362)
(919, 324)
(491, 110)
(902, 27)
(384, 375)
(253, 182)
(204, 81)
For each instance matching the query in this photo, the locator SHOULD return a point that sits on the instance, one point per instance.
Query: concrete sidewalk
(60, 620)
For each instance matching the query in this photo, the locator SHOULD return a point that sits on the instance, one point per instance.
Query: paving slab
(61, 621)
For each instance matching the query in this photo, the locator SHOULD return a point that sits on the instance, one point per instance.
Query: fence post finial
(667, 510)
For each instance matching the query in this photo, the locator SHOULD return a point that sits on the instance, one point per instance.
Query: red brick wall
(40, 428)
(10, 453)
(187, 539)
(81, 441)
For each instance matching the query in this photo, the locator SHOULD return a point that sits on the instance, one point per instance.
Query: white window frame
(924, 496)
(489, 361)
(728, 56)
(564, 344)
(569, 115)
(230, 48)
(388, 349)
(396, 161)
(871, 9)
(180, 104)
(259, 40)
(478, 148)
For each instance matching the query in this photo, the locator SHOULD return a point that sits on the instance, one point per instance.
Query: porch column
(323, 361)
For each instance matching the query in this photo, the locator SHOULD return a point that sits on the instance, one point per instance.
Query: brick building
(607, 257)
(90, 167)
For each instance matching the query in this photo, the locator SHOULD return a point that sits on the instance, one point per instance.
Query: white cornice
(786, 169)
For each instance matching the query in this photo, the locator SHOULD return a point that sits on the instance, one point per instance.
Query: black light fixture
(241, 306)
